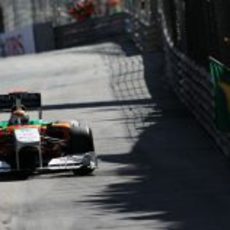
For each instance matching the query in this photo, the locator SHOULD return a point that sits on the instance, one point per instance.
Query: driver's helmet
(19, 116)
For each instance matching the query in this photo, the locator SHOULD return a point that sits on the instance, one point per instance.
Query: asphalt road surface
(157, 169)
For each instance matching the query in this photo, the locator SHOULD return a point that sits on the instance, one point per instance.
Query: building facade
(16, 14)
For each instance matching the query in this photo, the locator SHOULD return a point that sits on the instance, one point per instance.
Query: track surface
(157, 169)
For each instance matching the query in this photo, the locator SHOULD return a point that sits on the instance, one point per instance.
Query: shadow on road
(178, 176)
(96, 104)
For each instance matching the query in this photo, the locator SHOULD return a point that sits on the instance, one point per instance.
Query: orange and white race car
(34, 145)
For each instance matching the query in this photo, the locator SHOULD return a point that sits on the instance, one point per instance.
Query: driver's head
(19, 116)
(19, 112)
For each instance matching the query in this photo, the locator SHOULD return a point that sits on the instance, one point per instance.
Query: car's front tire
(81, 142)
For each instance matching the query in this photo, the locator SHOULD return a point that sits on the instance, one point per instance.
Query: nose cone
(27, 135)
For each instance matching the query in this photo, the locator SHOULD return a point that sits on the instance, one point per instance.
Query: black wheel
(81, 140)
(84, 171)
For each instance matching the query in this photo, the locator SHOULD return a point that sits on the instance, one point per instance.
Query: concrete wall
(16, 13)
(17, 42)
(21, 13)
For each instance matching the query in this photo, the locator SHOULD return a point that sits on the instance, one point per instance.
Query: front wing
(65, 163)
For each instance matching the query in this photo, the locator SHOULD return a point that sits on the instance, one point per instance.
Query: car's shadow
(14, 176)
(18, 176)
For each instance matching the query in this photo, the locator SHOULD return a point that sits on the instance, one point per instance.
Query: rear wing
(31, 101)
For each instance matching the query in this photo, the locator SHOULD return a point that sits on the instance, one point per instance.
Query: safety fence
(145, 36)
(126, 69)
(186, 72)
(193, 85)
(141, 25)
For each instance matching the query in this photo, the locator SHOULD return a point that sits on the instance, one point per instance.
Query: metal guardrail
(193, 86)
(145, 34)
(89, 31)
(192, 83)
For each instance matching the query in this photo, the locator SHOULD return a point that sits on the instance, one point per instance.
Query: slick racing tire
(81, 141)
(83, 171)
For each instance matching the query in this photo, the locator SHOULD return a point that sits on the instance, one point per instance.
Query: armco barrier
(89, 31)
(43, 37)
(193, 85)
(146, 36)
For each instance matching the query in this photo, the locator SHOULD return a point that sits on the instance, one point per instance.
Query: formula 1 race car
(28, 146)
